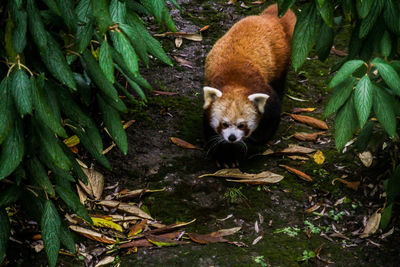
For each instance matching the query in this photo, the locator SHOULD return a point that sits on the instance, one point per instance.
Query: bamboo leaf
(346, 123)
(305, 34)
(106, 62)
(6, 109)
(12, 150)
(113, 123)
(136, 41)
(384, 110)
(50, 225)
(339, 96)
(363, 96)
(345, 71)
(21, 90)
(39, 175)
(4, 234)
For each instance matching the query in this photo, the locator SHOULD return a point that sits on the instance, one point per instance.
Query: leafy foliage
(62, 57)
(368, 83)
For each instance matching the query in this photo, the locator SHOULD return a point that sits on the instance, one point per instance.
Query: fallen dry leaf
(128, 124)
(301, 110)
(310, 121)
(313, 208)
(121, 218)
(232, 2)
(265, 177)
(164, 93)
(206, 239)
(337, 52)
(294, 157)
(137, 228)
(300, 174)
(372, 224)
(106, 260)
(226, 232)
(340, 235)
(307, 136)
(102, 222)
(189, 36)
(95, 183)
(352, 185)
(205, 28)
(258, 2)
(295, 149)
(137, 192)
(170, 227)
(179, 142)
(136, 243)
(319, 157)
(366, 158)
(178, 42)
(128, 208)
(92, 234)
(161, 241)
(82, 195)
(183, 62)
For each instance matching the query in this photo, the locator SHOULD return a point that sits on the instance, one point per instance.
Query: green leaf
(72, 201)
(386, 44)
(168, 21)
(363, 96)
(66, 238)
(118, 105)
(50, 225)
(118, 11)
(124, 47)
(155, 7)
(12, 150)
(386, 216)
(33, 204)
(21, 90)
(56, 63)
(384, 110)
(102, 15)
(345, 71)
(392, 187)
(389, 75)
(83, 83)
(136, 41)
(176, 5)
(39, 175)
(391, 16)
(36, 26)
(284, 5)
(363, 7)
(345, 123)
(326, 11)
(113, 123)
(46, 159)
(4, 234)
(85, 26)
(369, 21)
(44, 111)
(340, 95)
(364, 137)
(106, 62)
(305, 34)
(10, 196)
(76, 168)
(96, 74)
(324, 42)
(20, 19)
(67, 13)
(6, 109)
(349, 9)
(126, 93)
(133, 84)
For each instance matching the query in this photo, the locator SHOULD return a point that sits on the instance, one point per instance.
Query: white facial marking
(232, 130)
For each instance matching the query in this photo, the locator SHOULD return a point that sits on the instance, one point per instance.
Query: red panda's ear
(259, 101)
(210, 94)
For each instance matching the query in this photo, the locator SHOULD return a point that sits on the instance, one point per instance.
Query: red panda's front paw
(227, 165)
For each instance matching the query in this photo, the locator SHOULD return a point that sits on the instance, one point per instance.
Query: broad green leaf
(52, 5)
(124, 47)
(72, 201)
(364, 136)
(176, 5)
(50, 225)
(389, 75)
(8, 46)
(349, 9)
(118, 105)
(345, 72)
(369, 21)
(305, 34)
(21, 90)
(10, 196)
(346, 123)
(133, 84)
(324, 42)
(364, 7)
(46, 160)
(12, 150)
(326, 11)
(363, 97)
(106, 62)
(102, 15)
(4, 234)
(137, 8)
(126, 92)
(33, 205)
(386, 216)
(66, 238)
(60, 181)
(85, 26)
(56, 63)
(155, 7)
(391, 16)
(39, 175)
(384, 110)
(83, 83)
(118, 11)
(114, 126)
(76, 168)
(36, 26)
(284, 5)
(392, 187)
(136, 41)
(386, 44)
(167, 20)
(44, 111)
(340, 95)
(7, 113)
(67, 13)
(96, 74)
(20, 20)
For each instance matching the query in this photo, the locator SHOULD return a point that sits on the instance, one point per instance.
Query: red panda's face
(233, 116)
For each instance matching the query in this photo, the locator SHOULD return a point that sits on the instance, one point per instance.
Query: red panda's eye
(241, 126)
(225, 125)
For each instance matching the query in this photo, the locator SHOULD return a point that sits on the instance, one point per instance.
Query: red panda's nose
(232, 138)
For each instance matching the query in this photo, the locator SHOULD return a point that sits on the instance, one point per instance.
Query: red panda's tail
(288, 20)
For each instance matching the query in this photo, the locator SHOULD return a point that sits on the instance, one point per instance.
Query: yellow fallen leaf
(319, 157)
(372, 224)
(298, 173)
(182, 143)
(72, 141)
(100, 222)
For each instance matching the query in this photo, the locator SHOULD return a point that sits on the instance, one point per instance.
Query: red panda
(244, 78)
